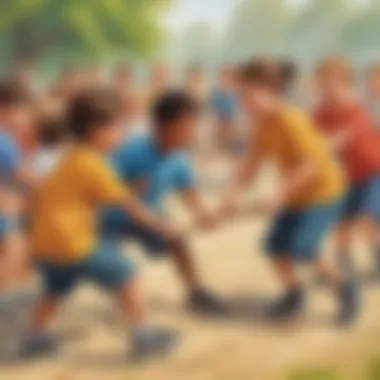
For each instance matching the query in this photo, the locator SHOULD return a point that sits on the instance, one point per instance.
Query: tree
(361, 36)
(318, 28)
(32, 29)
(258, 27)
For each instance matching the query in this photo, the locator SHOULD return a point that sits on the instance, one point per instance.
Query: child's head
(123, 75)
(262, 84)
(226, 77)
(373, 79)
(175, 115)
(159, 76)
(51, 129)
(14, 103)
(334, 79)
(94, 117)
(195, 75)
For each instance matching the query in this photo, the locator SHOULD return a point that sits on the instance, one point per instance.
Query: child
(347, 126)
(225, 108)
(373, 93)
(307, 202)
(195, 83)
(53, 141)
(14, 100)
(158, 165)
(63, 237)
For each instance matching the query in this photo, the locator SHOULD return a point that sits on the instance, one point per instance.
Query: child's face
(227, 78)
(181, 134)
(374, 83)
(333, 89)
(257, 100)
(109, 137)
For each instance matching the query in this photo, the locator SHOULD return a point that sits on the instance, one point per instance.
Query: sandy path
(238, 348)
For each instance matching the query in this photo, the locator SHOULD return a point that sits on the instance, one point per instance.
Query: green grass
(313, 374)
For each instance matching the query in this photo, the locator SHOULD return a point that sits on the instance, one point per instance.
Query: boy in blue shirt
(158, 166)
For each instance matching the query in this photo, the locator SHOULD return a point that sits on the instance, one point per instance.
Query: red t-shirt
(361, 156)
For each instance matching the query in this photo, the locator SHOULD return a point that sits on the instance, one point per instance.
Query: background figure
(372, 94)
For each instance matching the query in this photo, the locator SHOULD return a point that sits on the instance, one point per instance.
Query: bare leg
(285, 271)
(291, 303)
(43, 313)
(200, 299)
(185, 265)
(131, 302)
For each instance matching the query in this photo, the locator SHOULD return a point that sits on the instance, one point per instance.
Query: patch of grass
(373, 368)
(313, 374)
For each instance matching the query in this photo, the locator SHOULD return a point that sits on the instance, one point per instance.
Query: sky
(216, 12)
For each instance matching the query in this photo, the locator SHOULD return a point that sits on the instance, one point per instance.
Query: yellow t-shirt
(64, 210)
(291, 138)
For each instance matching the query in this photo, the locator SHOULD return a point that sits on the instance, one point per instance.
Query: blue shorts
(300, 233)
(363, 200)
(153, 244)
(102, 266)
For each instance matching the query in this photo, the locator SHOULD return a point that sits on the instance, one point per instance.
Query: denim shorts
(300, 233)
(103, 266)
(363, 199)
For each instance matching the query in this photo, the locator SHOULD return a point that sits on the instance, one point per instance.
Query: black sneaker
(38, 344)
(202, 301)
(288, 306)
(153, 343)
(349, 299)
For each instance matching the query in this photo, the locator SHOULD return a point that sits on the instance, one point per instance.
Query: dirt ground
(240, 346)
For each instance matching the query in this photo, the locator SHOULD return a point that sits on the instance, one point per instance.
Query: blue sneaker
(152, 343)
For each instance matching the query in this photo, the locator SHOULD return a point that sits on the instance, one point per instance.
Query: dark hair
(91, 109)
(51, 129)
(13, 93)
(171, 106)
(276, 75)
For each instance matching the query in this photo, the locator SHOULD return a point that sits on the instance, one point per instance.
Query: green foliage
(313, 374)
(89, 28)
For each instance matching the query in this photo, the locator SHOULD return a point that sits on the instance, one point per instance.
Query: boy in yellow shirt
(63, 236)
(308, 201)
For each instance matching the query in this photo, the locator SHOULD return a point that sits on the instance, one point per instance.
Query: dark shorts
(154, 244)
(300, 233)
(103, 266)
(363, 199)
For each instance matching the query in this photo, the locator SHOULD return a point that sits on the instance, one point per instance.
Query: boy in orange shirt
(63, 237)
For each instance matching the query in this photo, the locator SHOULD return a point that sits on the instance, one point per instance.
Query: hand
(207, 221)
(172, 232)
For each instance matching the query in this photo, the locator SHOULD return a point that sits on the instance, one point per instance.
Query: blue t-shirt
(224, 103)
(155, 175)
(10, 157)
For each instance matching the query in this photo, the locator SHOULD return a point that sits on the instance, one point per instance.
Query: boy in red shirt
(348, 128)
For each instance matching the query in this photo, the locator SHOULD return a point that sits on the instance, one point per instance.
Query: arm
(247, 170)
(193, 201)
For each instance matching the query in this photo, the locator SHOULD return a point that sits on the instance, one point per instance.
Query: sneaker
(288, 306)
(152, 343)
(38, 344)
(202, 301)
(349, 299)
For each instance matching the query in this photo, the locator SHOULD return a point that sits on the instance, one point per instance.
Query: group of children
(76, 183)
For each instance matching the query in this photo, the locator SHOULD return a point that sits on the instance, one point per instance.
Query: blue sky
(215, 12)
